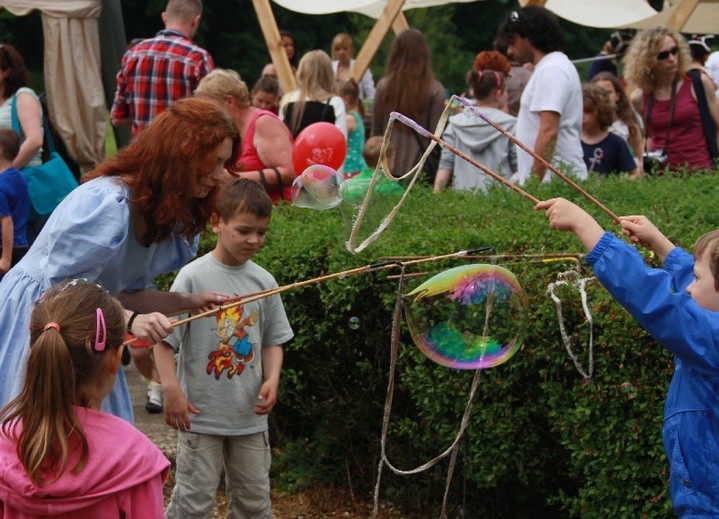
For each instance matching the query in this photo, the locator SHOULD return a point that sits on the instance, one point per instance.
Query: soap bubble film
(318, 187)
(468, 317)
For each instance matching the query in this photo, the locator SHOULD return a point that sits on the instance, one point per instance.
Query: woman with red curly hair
(134, 217)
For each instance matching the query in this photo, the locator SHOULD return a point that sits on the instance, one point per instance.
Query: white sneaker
(154, 398)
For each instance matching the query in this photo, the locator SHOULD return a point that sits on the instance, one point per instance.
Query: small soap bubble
(354, 323)
(629, 390)
(318, 187)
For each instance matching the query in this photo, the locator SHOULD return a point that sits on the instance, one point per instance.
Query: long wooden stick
(526, 258)
(237, 301)
(541, 159)
(494, 256)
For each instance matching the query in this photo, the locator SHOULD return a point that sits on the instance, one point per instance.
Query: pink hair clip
(100, 331)
(497, 78)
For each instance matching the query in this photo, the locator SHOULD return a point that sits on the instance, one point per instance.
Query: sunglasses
(703, 41)
(665, 53)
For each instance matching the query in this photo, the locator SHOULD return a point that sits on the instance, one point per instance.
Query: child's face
(264, 100)
(703, 289)
(608, 87)
(239, 238)
(589, 118)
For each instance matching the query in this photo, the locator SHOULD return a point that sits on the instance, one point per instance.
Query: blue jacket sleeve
(657, 299)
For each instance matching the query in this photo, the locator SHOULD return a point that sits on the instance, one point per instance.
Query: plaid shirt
(156, 72)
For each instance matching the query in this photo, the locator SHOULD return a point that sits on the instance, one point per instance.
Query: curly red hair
(492, 60)
(163, 165)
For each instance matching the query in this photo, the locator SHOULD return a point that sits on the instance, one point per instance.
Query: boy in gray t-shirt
(228, 368)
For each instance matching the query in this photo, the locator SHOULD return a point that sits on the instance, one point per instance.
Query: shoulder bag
(49, 182)
(431, 165)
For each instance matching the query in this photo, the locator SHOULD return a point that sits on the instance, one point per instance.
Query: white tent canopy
(600, 13)
(703, 20)
(687, 16)
(372, 8)
(72, 72)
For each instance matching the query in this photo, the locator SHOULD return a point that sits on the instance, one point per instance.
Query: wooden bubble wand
(248, 298)
(475, 110)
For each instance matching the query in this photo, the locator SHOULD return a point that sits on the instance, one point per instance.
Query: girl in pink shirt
(59, 455)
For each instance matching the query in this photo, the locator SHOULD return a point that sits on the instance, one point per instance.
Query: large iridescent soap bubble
(468, 317)
(318, 187)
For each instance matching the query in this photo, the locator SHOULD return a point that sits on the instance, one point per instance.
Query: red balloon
(319, 143)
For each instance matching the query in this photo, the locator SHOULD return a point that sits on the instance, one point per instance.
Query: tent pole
(681, 14)
(400, 23)
(375, 37)
(268, 24)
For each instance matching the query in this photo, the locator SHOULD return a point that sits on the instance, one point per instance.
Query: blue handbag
(49, 182)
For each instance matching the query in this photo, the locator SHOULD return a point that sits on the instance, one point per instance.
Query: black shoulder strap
(707, 121)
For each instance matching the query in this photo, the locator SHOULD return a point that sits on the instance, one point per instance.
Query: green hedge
(542, 441)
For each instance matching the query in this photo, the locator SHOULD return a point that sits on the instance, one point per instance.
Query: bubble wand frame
(248, 298)
(414, 172)
(444, 144)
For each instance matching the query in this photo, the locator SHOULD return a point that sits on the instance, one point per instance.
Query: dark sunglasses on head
(702, 41)
(665, 53)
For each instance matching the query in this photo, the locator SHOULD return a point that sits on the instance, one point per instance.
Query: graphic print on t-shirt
(234, 349)
(596, 160)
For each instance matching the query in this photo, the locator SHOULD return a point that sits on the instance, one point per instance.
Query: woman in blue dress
(137, 215)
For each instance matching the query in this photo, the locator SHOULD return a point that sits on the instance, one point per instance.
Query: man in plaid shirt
(159, 70)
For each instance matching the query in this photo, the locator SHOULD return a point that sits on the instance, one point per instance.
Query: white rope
(384, 169)
(580, 284)
(453, 448)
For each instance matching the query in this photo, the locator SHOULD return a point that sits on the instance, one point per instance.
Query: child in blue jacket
(678, 305)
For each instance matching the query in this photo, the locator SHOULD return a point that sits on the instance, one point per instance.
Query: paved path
(153, 425)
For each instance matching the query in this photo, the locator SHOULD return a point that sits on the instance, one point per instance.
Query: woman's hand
(200, 302)
(152, 327)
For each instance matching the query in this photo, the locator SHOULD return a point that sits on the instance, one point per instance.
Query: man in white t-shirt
(712, 67)
(550, 113)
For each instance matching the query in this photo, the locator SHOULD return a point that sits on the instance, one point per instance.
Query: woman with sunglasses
(657, 63)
